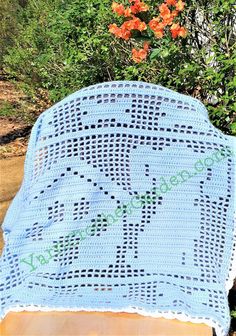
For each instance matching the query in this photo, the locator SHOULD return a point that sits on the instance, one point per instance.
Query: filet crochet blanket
(127, 205)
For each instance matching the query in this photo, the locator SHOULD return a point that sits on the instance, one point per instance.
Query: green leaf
(233, 313)
(233, 127)
(165, 53)
(154, 54)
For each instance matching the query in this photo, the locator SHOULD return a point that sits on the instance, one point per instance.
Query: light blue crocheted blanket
(127, 205)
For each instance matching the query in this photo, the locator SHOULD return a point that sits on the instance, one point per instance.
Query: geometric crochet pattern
(127, 204)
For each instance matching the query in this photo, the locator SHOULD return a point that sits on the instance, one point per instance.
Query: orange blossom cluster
(169, 10)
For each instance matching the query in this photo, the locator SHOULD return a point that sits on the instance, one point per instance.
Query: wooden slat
(96, 323)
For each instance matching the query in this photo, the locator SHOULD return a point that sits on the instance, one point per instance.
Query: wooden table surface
(79, 323)
(95, 323)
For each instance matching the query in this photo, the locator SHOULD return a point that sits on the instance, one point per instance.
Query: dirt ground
(13, 138)
(18, 113)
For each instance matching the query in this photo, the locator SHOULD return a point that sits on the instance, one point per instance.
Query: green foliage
(233, 313)
(6, 109)
(9, 19)
(233, 128)
(19, 110)
(65, 45)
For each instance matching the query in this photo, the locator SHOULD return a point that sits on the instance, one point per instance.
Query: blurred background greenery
(64, 45)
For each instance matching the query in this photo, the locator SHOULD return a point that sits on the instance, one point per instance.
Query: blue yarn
(89, 154)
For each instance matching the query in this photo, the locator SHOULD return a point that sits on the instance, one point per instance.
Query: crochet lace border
(170, 315)
(232, 273)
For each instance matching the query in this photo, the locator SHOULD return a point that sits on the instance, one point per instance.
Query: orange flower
(183, 32)
(135, 23)
(164, 10)
(139, 7)
(146, 46)
(127, 12)
(157, 27)
(125, 34)
(166, 14)
(171, 2)
(141, 54)
(177, 30)
(168, 20)
(155, 24)
(169, 10)
(117, 8)
(139, 25)
(119, 32)
(113, 28)
(159, 33)
(174, 13)
(180, 5)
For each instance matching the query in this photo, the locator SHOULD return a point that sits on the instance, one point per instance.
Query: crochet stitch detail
(88, 155)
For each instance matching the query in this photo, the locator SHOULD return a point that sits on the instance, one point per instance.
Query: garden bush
(9, 18)
(65, 45)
